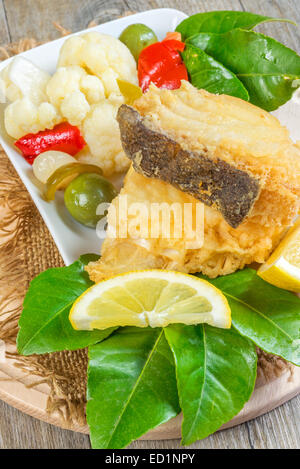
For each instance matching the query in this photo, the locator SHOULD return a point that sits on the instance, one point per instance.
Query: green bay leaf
(131, 386)
(267, 315)
(216, 373)
(208, 74)
(269, 70)
(44, 322)
(222, 22)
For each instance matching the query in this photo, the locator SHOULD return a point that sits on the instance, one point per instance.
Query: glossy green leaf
(208, 74)
(131, 386)
(269, 70)
(222, 22)
(216, 372)
(267, 315)
(44, 323)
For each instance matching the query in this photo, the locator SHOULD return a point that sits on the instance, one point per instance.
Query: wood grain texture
(280, 429)
(34, 18)
(19, 431)
(4, 32)
(286, 33)
(27, 394)
(277, 430)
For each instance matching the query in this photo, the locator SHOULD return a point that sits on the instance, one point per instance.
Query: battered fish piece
(238, 133)
(224, 250)
(226, 128)
(209, 179)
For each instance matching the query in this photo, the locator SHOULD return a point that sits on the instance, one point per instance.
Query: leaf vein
(136, 385)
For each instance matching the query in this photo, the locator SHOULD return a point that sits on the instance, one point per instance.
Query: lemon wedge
(154, 298)
(283, 267)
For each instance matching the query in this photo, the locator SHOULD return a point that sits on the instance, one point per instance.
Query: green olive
(64, 175)
(136, 37)
(84, 194)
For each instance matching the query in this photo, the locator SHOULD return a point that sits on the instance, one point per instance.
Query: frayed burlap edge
(20, 218)
(17, 214)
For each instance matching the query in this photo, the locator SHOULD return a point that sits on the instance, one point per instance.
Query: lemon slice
(154, 298)
(283, 268)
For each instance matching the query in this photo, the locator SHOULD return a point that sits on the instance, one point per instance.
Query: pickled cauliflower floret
(64, 81)
(9, 89)
(23, 116)
(102, 134)
(25, 85)
(75, 107)
(92, 88)
(72, 91)
(21, 78)
(100, 55)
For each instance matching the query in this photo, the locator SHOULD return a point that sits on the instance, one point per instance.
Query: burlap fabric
(26, 249)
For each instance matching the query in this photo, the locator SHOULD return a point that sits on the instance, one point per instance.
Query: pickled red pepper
(63, 137)
(161, 64)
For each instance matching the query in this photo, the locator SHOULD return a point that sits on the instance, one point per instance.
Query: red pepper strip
(63, 137)
(162, 65)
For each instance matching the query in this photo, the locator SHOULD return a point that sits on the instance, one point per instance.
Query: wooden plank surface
(4, 32)
(278, 429)
(34, 18)
(286, 33)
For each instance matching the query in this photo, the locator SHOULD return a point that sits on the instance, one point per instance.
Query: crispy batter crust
(210, 180)
(225, 249)
(238, 133)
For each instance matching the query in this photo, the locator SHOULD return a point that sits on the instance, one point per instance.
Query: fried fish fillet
(209, 179)
(228, 129)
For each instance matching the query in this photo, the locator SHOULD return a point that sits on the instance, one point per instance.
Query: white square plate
(71, 238)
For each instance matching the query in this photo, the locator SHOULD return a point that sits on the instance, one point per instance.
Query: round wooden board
(15, 390)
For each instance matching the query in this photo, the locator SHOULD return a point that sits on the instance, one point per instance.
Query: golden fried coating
(229, 128)
(240, 134)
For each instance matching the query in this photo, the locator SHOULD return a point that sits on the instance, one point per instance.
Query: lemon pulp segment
(283, 267)
(152, 298)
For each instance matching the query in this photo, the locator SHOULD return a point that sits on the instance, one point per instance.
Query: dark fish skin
(212, 181)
